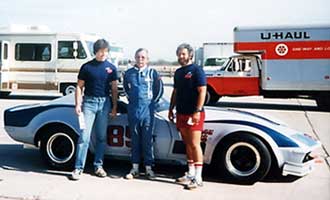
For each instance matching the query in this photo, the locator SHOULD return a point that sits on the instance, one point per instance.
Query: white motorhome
(34, 58)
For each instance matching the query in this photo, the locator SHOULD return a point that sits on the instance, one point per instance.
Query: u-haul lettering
(285, 35)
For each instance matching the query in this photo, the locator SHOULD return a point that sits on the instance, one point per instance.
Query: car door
(118, 142)
(241, 77)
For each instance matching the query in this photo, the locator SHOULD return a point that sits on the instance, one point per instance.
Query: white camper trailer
(34, 58)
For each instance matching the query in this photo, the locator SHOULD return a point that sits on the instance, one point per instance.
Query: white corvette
(240, 144)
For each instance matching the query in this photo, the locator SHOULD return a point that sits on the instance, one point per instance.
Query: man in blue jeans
(144, 88)
(95, 77)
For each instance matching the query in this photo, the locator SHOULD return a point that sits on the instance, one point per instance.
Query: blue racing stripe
(280, 139)
(21, 118)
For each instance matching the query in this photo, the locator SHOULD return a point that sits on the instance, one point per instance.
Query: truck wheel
(243, 158)
(58, 148)
(323, 102)
(211, 98)
(68, 89)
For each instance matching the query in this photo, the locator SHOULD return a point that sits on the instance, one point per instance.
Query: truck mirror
(75, 54)
(75, 45)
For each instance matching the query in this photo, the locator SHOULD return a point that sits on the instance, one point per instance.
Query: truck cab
(238, 77)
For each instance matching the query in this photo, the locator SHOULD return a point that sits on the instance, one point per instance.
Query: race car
(242, 145)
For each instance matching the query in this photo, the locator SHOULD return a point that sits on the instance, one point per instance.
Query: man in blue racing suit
(144, 88)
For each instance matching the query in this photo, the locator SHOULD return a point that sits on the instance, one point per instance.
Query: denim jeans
(96, 111)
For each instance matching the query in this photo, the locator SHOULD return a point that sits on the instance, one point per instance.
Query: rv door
(4, 76)
(4, 45)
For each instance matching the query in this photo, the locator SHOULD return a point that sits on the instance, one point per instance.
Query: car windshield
(162, 105)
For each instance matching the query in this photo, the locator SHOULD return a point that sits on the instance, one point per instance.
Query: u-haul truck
(33, 58)
(276, 62)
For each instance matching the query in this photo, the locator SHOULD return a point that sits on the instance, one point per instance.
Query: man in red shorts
(188, 97)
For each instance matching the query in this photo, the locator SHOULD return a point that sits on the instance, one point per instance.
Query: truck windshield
(215, 61)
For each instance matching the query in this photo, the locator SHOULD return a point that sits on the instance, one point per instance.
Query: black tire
(323, 102)
(211, 98)
(58, 148)
(4, 94)
(237, 158)
(67, 89)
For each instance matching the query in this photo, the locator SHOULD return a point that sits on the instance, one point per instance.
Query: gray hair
(140, 50)
(186, 46)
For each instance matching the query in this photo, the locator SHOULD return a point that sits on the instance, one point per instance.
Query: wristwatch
(199, 110)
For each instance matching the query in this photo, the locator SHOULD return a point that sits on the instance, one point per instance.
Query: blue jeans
(96, 111)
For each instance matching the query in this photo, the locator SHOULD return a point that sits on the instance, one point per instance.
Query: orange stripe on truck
(286, 50)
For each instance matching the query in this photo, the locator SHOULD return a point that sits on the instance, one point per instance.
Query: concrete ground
(23, 176)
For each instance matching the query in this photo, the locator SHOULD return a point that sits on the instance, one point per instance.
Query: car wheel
(58, 148)
(244, 158)
(211, 98)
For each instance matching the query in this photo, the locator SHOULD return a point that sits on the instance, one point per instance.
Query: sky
(160, 26)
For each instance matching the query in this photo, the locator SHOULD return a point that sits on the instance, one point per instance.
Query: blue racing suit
(144, 88)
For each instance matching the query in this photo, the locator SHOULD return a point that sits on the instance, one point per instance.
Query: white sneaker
(184, 179)
(150, 174)
(100, 172)
(76, 174)
(194, 184)
(134, 173)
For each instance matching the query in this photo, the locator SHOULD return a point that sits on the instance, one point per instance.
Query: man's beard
(183, 62)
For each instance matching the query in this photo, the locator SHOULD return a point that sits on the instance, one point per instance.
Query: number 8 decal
(116, 136)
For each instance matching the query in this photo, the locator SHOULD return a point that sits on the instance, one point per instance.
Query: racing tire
(243, 158)
(211, 98)
(58, 148)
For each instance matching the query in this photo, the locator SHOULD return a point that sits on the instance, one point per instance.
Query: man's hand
(171, 115)
(113, 113)
(78, 110)
(196, 117)
(78, 96)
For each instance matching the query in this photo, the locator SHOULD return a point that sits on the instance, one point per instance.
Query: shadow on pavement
(16, 158)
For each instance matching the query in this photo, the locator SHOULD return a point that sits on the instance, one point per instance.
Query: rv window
(65, 50)
(33, 52)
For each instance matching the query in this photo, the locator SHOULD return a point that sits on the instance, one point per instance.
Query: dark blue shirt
(186, 81)
(97, 76)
